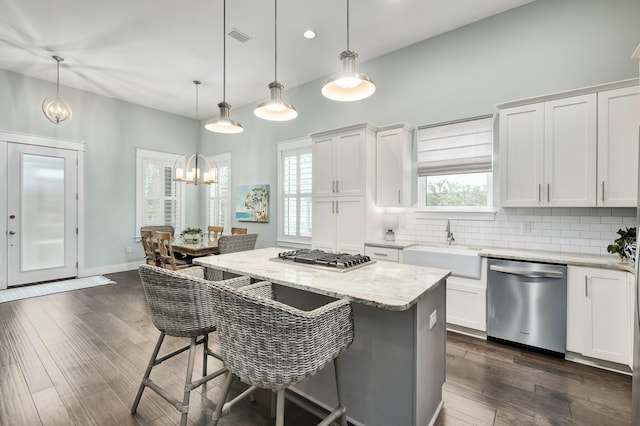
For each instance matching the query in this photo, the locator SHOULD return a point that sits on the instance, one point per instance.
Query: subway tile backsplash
(570, 230)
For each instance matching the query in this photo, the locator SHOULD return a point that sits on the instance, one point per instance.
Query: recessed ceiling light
(309, 34)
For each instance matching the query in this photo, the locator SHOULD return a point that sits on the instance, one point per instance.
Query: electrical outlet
(128, 249)
(432, 319)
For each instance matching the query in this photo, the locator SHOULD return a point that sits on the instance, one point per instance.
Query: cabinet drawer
(382, 253)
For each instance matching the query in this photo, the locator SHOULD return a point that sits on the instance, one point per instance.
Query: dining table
(202, 248)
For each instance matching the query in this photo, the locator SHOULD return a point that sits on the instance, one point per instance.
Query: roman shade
(464, 146)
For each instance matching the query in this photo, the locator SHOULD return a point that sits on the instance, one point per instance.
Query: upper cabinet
(339, 162)
(572, 151)
(548, 153)
(618, 124)
(394, 167)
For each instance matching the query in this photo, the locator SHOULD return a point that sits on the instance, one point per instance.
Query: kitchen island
(394, 371)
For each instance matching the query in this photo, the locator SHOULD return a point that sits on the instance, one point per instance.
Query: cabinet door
(394, 168)
(598, 317)
(570, 151)
(323, 167)
(618, 122)
(350, 224)
(350, 164)
(521, 143)
(324, 224)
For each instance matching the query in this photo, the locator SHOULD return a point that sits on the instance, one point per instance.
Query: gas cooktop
(322, 259)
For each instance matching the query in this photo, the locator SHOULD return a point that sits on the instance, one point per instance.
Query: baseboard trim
(109, 269)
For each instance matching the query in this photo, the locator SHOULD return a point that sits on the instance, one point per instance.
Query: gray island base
(394, 371)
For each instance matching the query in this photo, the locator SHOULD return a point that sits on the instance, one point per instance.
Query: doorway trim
(27, 139)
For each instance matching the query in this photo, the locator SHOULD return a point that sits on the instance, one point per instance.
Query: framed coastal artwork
(252, 203)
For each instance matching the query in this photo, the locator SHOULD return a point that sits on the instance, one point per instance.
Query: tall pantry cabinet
(344, 188)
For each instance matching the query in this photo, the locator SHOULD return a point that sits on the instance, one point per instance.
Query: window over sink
(454, 164)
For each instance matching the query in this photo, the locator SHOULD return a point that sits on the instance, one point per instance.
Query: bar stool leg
(223, 398)
(152, 363)
(343, 418)
(187, 383)
(280, 408)
(205, 350)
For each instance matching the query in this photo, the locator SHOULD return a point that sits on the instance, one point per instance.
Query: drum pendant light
(224, 123)
(275, 109)
(57, 109)
(348, 85)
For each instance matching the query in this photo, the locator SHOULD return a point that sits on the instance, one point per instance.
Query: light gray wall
(544, 47)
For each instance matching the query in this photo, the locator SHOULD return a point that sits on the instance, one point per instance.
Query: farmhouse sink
(461, 261)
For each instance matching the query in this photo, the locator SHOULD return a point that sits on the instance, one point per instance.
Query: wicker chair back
(237, 242)
(272, 345)
(181, 304)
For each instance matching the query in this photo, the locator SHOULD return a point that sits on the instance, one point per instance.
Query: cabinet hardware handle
(548, 192)
(399, 196)
(380, 254)
(602, 190)
(586, 286)
(338, 207)
(539, 192)
(333, 207)
(337, 185)
(333, 186)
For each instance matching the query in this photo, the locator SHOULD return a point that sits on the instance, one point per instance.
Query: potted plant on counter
(625, 244)
(191, 235)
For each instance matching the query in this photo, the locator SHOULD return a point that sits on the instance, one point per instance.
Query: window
(455, 165)
(294, 198)
(159, 199)
(218, 198)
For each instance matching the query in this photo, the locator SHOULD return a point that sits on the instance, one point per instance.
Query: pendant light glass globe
(224, 123)
(275, 109)
(348, 85)
(57, 109)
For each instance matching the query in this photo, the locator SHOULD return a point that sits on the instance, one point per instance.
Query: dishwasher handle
(526, 272)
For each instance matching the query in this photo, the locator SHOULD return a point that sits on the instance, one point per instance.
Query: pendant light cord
(275, 38)
(224, 51)
(347, 25)
(58, 80)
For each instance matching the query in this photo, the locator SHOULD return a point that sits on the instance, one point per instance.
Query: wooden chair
(166, 256)
(215, 231)
(155, 228)
(235, 231)
(146, 237)
(269, 345)
(181, 306)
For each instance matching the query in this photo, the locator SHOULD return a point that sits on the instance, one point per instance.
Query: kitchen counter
(576, 259)
(393, 372)
(385, 285)
(391, 244)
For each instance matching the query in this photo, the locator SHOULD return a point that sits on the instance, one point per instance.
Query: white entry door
(42, 214)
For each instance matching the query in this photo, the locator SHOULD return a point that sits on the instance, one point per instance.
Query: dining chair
(155, 228)
(215, 231)
(180, 305)
(235, 231)
(149, 246)
(270, 345)
(166, 256)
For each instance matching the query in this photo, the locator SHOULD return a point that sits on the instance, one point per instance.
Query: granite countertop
(385, 285)
(575, 259)
(390, 244)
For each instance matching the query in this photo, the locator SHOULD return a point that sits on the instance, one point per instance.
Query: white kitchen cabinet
(394, 167)
(383, 253)
(339, 162)
(467, 303)
(548, 153)
(599, 318)
(338, 224)
(618, 125)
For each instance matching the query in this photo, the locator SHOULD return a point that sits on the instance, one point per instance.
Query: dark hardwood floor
(78, 357)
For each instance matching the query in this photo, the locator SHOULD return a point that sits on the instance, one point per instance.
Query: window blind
(297, 185)
(219, 196)
(160, 197)
(454, 148)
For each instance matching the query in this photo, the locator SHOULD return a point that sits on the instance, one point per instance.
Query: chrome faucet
(450, 238)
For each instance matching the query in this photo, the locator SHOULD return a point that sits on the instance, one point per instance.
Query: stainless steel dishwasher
(527, 304)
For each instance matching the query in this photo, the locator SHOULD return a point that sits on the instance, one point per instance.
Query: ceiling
(149, 51)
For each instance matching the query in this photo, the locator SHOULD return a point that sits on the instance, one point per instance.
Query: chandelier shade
(57, 110)
(275, 109)
(224, 123)
(348, 85)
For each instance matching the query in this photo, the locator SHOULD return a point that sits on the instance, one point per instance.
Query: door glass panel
(43, 204)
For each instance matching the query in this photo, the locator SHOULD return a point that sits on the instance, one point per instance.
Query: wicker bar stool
(270, 345)
(181, 306)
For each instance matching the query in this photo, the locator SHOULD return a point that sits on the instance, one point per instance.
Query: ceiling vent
(238, 35)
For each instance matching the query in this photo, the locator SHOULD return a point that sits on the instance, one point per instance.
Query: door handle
(586, 286)
(333, 186)
(12, 232)
(602, 190)
(526, 273)
(333, 207)
(399, 196)
(337, 185)
(338, 207)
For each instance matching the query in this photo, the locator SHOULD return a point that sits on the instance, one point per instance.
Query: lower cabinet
(383, 253)
(599, 314)
(466, 303)
(338, 224)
